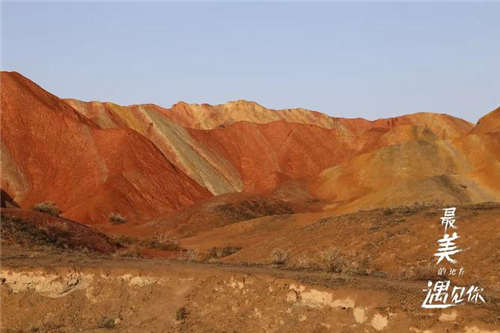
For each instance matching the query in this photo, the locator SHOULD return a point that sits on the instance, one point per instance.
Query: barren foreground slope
(362, 272)
(70, 293)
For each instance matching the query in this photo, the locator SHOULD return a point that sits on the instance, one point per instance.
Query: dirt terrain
(396, 243)
(77, 293)
(374, 283)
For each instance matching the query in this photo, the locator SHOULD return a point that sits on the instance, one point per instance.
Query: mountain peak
(488, 123)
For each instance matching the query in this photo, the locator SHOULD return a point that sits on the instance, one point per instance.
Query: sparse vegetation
(388, 211)
(360, 265)
(47, 207)
(419, 272)
(303, 262)
(220, 252)
(193, 255)
(61, 235)
(181, 314)
(250, 209)
(325, 220)
(126, 240)
(166, 245)
(130, 251)
(108, 323)
(133, 245)
(161, 242)
(279, 256)
(22, 232)
(116, 218)
(332, 260)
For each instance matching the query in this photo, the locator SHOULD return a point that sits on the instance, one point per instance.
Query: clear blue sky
(368, 60)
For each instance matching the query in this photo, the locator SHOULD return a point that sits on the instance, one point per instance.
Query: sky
(346, 59)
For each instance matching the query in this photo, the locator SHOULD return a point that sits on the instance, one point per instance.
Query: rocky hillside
(50, 152)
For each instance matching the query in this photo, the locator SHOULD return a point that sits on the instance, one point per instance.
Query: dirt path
(321, 278)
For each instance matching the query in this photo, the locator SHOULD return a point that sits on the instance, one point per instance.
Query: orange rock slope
(428, 170)
(51, 152)
(242, 146)
(145, 161)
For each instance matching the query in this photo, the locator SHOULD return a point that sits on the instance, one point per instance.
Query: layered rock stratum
(50, 152)
(145, 161)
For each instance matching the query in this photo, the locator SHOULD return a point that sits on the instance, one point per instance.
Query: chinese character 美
(447, 248)
(474, 294)
(448, 219)
(437, 294)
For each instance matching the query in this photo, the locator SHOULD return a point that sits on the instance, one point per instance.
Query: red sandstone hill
(147, 162)
(242, 146)
(51, 152)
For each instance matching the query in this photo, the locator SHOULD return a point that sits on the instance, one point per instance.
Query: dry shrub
(163, 242)
(303, 261)
(360, 265)
(388, 211)
(181, 314)
(117, 218)
(131, 251)
(164, 245)
(332, 260)
(108, 323)
(126, 240)
(47, 207)
(221, 252)
(193, 255)
(354, 263)
(419, 272)
(279, 256)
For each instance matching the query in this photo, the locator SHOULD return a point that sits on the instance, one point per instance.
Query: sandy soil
(71, 292)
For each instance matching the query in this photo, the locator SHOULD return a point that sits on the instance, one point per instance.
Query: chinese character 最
(448, 219)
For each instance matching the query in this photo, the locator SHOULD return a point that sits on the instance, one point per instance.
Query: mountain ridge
(128, 154)
(314, 117)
